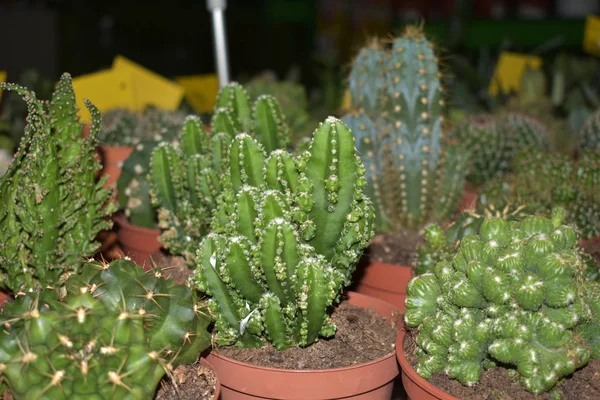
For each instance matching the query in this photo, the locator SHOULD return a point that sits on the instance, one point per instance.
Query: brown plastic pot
(386, 282)
(137, 243)
(368, 381)
(218, 382)
(468, 199)
(416, 387)
(112, 160)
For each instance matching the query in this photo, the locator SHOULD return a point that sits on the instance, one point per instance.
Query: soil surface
(173, 267)
(189, 382)
(395, 248)
(496, 384)
(361, 336)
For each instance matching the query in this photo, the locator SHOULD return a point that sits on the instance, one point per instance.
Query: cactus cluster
(186, 176)
(515, 294)
(397, 121)
(287, 234)
(543, 180)
(53, 207)
(112, 334)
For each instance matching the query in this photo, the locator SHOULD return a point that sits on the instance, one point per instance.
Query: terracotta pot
(468, 199)
(137, 243)
(4, 298)
(590, 242)
(218, 382)
(416, 387)
(112, 159)
(368, 381)
(383, 281)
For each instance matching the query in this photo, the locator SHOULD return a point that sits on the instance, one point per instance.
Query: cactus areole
(287, 234)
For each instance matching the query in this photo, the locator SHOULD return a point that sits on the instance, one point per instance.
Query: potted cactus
(515, 299)
(53, 208)
(413, 175)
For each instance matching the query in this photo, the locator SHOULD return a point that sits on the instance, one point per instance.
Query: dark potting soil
(395, 247)
(173, 267)
(188, 382)
(496, 384)
(361, 336)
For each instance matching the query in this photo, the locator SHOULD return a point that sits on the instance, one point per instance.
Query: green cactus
(525, 131)
(515, 294)
(397, 122)
(112, 334)
(53, 206)
(118, 127)
(589, 137)
(288, 232)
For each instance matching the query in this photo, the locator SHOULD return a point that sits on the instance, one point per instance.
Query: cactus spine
(288, 232)
(113, 334)
(397, 122)
(54, 208)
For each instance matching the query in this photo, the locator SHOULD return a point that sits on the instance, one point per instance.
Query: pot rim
(204, 361)
(123, 222)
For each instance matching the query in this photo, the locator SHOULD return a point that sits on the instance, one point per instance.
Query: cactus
(287, 234)
(515, 294)
(525, 132)
(186, 177)
(397, 122)
(112, 334)
(118, 127)
(589, 137)
(53, 206)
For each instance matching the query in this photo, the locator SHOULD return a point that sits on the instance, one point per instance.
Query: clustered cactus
(543, 180)
(589, 137)
(515, 294)
(288, 232)
(397, 121)
(53, 207)
(113, 334)
(186, 175)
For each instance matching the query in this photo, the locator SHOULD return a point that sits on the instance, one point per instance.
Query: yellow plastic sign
(149, 87)
(2, 79)
(509, 70)
(200, 91)
(106, 89)
(591, 35)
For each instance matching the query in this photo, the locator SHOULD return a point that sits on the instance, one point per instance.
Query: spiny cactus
(53, 208)
(288, 232)
(525, 131)
(112, 334)
(397, 122)
(515, 294)
(186, 176)
(118, 127)
(589, 137)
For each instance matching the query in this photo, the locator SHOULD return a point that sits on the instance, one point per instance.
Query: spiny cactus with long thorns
(516, 295)
(53, 208)
(397, 122)
(288, 232)
(112, 334)
(186, 176)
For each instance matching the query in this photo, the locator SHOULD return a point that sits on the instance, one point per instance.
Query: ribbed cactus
(186, 177)
(487, 144)
(525, 131)
(515, 294)
(112, 334)
(397, 122)
(288, 232)
(118, 127)
(589, 137)
(53, 208)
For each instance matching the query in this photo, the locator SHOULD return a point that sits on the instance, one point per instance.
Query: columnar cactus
(53, 208)
(186, 176)
(112, 334)
(514, 294)
(397, 122)
(589, 137)
(288, 232)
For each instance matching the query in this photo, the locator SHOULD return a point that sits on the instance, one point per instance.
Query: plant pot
(112, 160)
(4, 298)
(218, 382)
(368, 381)
(468, 199)
(386, 282)
(137, 243)
(416, 387)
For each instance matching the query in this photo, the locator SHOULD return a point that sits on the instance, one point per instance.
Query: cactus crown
(397, 122)
(288, 232)
(113, 333)
(53, 208)
(515, 294)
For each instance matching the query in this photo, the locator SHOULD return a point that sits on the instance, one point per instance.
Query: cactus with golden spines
(287, 234)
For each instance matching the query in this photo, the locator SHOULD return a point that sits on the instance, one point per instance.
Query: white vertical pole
(217, 9)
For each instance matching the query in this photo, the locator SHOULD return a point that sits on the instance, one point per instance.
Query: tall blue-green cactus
(53, 208)
(112, 333)
(288, 232)
(397, 122)
(514, 294)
